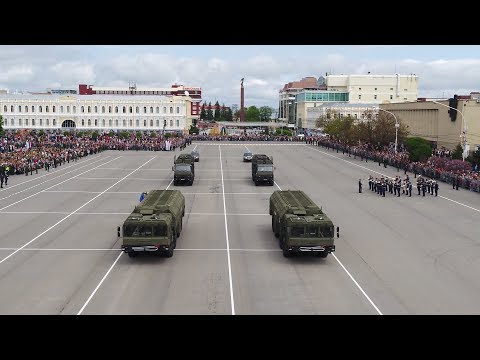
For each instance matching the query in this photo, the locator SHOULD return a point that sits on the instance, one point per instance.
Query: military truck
(183, 169)
(262, 169)
(155, 224)
(300, 224)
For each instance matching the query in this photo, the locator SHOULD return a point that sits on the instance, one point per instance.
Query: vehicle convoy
(183, 169)
(300, 224)
(262, 169)
(155, 224)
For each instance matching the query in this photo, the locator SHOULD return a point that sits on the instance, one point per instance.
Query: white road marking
(73, 177)
(111, 267)
(232, 302)
(351, 277)
(43, 182)
(98, 286)
(195, 147)
(70, 214)
(99, 249)
(380, 173)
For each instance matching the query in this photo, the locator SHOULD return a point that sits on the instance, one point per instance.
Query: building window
(151, 109)
(40, 108)
(110, 122)
(116, 109)
(61, 109)
(164, 109)
(82, 109)
(171, 122)
(20, 122)
(359, 88)
(375, 97)
(359, 97)
(391, 97)
(157, 122)
(137, 110)
(157, 110)
(103, 109)
(375, 88)
(103, 122)
(355, 116)
(137, 123)
(130, 109)
(116, 122)
(89, 122)
(178, 123)
(96, 122)
(405, 90)
(4, 108)
(19, 108)
(26, 121)
(83, 122)
(95, 109)
(40, 122)
(124, 109)
(12, 122)
(144, 109)
(130, 122)
(54, 122)
(47, 122)
(151, 123)
(109, 109)
(11, 108)
(178, 110)
(33, 122)
(74, 109)
(53, 108)
(46, 108)
(145, 123)
(171, 109)
(26, 108)
(404, 98)
(391, 88)
(124, 123)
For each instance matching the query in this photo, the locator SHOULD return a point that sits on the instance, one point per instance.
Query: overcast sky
(443, 70)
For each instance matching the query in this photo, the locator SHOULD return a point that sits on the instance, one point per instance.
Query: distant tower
(242, 109)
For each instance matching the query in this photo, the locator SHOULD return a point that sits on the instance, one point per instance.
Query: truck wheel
(132, 254)
(273, 224)
(322, 254)
(256, 183)
(271, 183)
(175, 182)
(286, 252)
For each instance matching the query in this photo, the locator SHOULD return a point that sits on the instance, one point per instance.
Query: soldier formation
(397, 186)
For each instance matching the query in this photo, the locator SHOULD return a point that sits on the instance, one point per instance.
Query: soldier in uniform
(2, 175)
(360, 186)
(435, 186)
(419, 183)
(409, 185)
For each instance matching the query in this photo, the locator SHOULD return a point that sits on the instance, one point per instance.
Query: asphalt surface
(59, 252)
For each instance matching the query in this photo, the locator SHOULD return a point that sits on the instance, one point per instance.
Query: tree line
(222, 113)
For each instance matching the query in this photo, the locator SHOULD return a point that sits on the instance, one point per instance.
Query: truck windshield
(144, 230)
(182, 167)
(297, 231)
(266, 168)
(326, 231)
(312, 231)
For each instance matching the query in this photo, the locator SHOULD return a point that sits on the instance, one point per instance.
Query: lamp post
(463, 134)
(397, 125)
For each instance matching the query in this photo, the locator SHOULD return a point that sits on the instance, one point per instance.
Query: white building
(376, 88)
(96, 112)
(341, 109)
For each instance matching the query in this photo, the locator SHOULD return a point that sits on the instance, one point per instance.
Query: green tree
(209, 112)
(252, 114)
(138, 134)
(236, 115)
(283, 132)
(228, 115)
(193, 130)
(41, 132)
(95, 135)
(223, 113)
(2, 131)
(384, 129)
(216, 115)
(203, 113)
(111, 133)
(265, 113)
(418, 148)
(168, 135)
(457, 153)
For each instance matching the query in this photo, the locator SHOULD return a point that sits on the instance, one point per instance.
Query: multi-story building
(440, 124)
(96, 112)
(286, 107)
(337, 109)
(376, 89)
(195, 93)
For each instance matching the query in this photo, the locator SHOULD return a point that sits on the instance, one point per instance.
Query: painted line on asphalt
(111, 267)
(70, 214)
(100, 284)
(43, 182)
(232, 302)
(70, 178)
(351, 277)
(380, 173)
(100, 249)
(54, 172)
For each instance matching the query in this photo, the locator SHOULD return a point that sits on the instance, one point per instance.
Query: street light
(463, 134)
(397, 125)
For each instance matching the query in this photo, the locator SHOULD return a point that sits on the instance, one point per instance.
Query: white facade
(96, 112)
(341, 109)
(376, 88)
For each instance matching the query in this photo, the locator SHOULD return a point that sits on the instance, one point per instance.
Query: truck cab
(183, 169)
